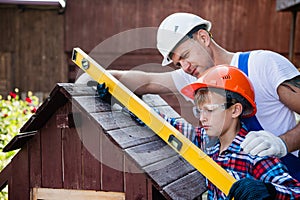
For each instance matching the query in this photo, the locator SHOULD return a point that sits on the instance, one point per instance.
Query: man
(185, 40)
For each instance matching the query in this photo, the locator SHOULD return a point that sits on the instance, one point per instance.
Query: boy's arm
(262, 144)
(270, 181)
(271, 170)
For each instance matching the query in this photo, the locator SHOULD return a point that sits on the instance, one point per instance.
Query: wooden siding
(36, 44)
(238, 25)
(33, 41)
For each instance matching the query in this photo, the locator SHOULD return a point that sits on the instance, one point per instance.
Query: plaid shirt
(239, 164)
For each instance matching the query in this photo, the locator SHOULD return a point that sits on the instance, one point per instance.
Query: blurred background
(37, 37)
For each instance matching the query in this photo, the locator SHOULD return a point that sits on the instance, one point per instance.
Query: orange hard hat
(224, 77)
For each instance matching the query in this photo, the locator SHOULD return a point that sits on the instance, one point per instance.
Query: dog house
(78, 147)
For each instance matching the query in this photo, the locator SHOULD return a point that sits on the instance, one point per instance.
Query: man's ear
(237, 110)
(203, 36)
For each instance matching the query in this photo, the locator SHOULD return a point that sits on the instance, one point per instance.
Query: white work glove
(264, 143)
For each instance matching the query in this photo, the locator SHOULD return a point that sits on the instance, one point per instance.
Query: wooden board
(20, 176)
(58, 194)
(188, 187)
(132, 136)
(168, 170)
(150, 153)
(51, 155)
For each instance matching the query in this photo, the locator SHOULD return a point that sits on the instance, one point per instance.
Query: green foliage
(14, 112)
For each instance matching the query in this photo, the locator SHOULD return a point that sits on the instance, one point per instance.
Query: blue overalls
(292, 162)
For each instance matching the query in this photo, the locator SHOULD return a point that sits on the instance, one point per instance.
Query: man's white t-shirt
(266, 70)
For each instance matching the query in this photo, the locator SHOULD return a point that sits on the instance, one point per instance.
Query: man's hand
(103, 93)
(264, 143)
(249, 189)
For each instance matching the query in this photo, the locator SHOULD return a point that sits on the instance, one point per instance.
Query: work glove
(103, 93)
(250, 189)
(264, 143)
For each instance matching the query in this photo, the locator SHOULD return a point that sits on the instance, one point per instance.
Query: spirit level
(190, 152)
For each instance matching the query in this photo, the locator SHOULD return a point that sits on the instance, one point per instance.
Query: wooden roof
(169, 172)
(287, 5)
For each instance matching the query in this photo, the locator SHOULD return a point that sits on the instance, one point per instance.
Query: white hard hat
(173, 29)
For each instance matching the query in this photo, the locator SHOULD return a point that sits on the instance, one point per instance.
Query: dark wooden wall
(36, 44)
(237, 24)
(31, 48)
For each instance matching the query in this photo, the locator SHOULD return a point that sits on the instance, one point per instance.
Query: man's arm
(141, 82)
(289, 95)
(265, 143)
(146, 82)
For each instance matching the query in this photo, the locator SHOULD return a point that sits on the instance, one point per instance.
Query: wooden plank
(35, 161)
(18, 141)
(132, 136)
(151, 152)
(72, 89)
(58, 194)
(135, 181)
(5, 73)
(5, 176)
(71, 152)
(168, 170)
(112, 166)
(188, 187)
(51, 145)
(20, 176)
(91, 167)
(113, 120)
(92, 104)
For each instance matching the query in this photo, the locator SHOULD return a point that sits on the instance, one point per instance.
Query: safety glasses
(209, 109)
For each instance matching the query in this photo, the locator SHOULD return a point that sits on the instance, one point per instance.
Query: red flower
(33, 110)
(28, 100)
(5, 115)
(24, 112)
(12, 94)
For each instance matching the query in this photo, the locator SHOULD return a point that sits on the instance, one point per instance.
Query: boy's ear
(237, 110)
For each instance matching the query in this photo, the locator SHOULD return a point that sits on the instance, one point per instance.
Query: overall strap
(243, 62)
(292, 162)
(251, 123)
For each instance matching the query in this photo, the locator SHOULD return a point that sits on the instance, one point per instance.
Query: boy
(222, 96)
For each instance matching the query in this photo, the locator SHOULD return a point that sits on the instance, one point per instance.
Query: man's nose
(185, 65)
